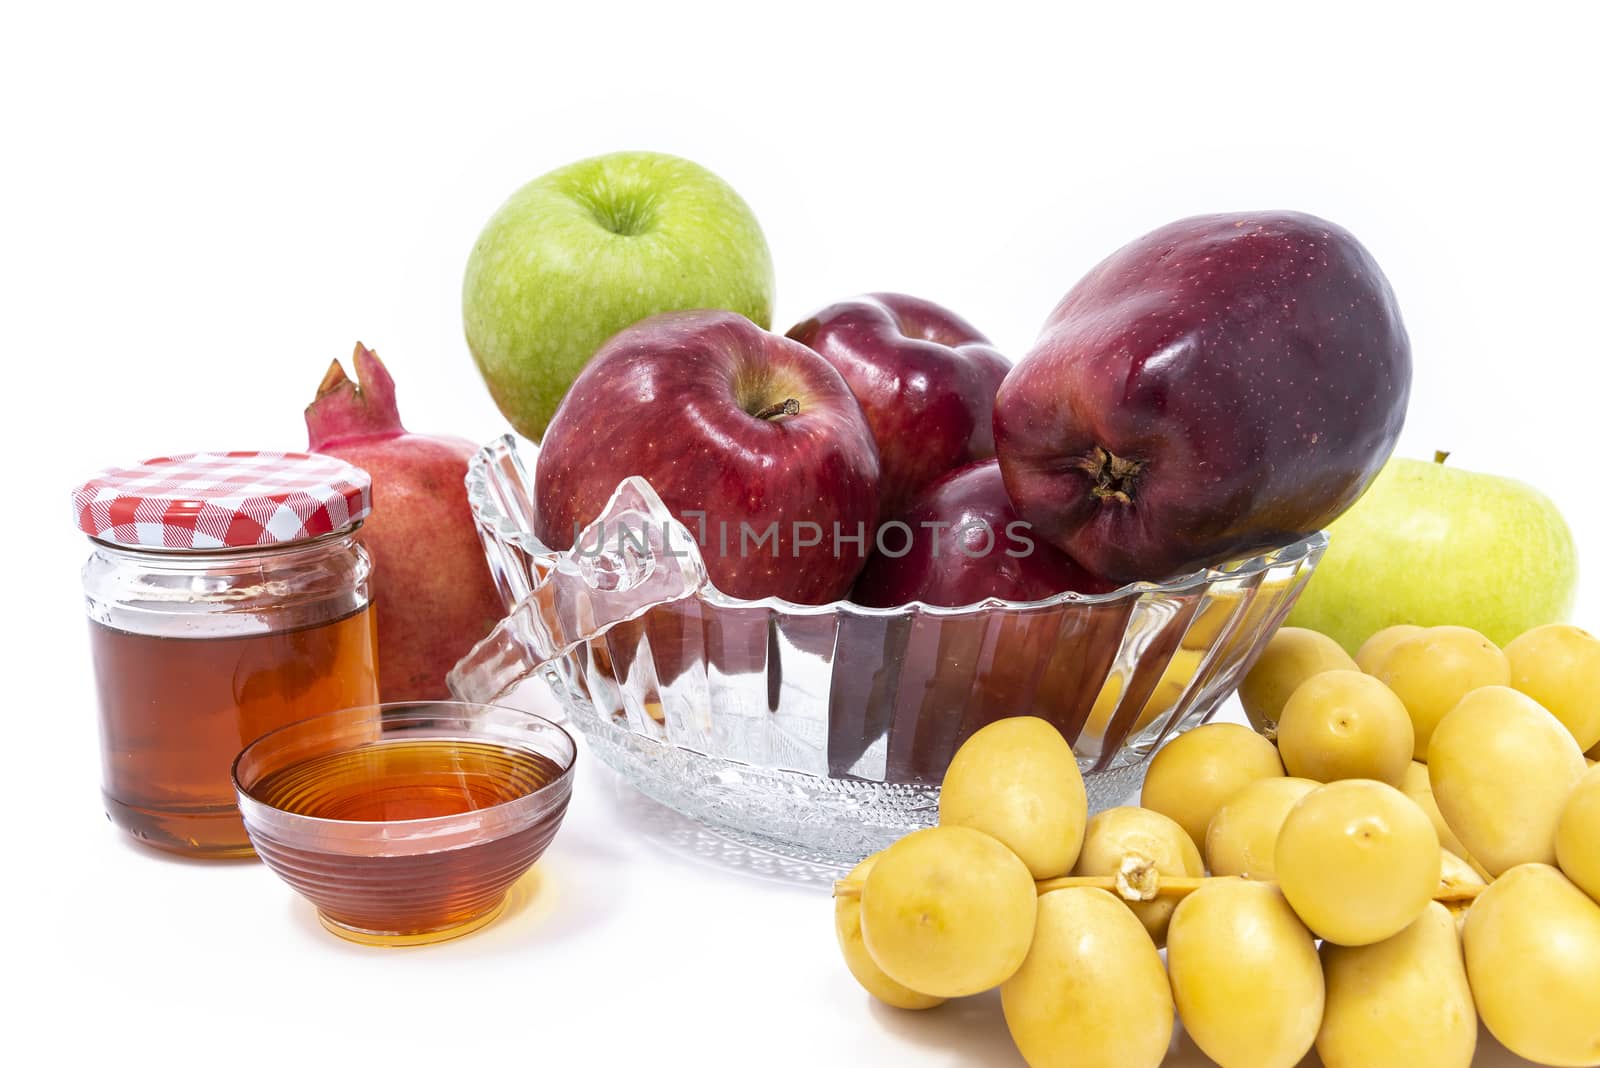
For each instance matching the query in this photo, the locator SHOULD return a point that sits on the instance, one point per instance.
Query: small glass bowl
(406, 824)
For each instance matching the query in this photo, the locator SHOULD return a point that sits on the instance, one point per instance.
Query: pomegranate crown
(344, 409)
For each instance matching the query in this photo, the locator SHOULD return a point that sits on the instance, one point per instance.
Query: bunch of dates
(1408, 841)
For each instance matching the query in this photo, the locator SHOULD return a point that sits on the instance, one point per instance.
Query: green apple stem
(1441, 455)
(787, 406)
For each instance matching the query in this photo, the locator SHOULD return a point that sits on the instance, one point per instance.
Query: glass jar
(226, 597)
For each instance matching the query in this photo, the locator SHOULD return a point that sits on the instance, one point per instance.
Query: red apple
(925, 377)
(753, 441)
(962, 543)
(1221, 385)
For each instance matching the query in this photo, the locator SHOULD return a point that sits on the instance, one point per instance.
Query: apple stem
(787, 406)
(1441, 455)
(1114, 477)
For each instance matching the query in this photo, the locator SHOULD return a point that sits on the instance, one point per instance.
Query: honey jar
(226, 597)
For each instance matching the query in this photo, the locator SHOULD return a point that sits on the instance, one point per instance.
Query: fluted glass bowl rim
(285, 826)
(489, 514)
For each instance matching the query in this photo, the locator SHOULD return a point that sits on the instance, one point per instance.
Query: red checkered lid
(222, 500)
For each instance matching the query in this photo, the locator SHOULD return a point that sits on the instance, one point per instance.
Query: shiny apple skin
(980, 564)
(1248, 373)
(925, 377)
(672, 399)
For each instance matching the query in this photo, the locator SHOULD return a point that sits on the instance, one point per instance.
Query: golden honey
(174, 712)
(227, 597)
(370, 833)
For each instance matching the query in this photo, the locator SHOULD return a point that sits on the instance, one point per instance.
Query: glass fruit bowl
(823, 731)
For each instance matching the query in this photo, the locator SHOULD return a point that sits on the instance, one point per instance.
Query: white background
(201, 207)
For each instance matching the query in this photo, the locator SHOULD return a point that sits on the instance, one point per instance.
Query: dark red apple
(1221, 385)
(960, 543)
(925, 377)
(753, 441)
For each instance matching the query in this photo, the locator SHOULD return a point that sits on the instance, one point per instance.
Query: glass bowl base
(416, 938)
(825, 823)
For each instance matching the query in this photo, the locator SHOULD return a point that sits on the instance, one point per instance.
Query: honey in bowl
(407, 780)
(406, 824)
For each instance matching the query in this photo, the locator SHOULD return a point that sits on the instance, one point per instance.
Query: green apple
(591, 248)
(1432, 545)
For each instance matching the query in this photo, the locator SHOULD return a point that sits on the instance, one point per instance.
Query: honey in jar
(226, 597)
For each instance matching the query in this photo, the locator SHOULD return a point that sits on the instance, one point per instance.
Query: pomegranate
(431, 588)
